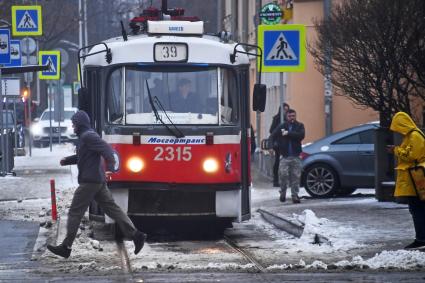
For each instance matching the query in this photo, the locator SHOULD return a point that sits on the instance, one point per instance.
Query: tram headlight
(210, 165)
(135, 164)
(117, 161)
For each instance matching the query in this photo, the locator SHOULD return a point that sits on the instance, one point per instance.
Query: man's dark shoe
(60, 250)
(282, 197)
(139, 241)
(416, 245)
(296, 199)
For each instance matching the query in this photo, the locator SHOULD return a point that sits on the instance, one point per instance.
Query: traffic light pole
(3, 159)
(29, 105)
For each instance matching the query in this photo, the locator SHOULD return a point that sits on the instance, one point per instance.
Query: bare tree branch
(377, 49)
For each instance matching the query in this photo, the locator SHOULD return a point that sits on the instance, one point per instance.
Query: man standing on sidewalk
(92, 186)
(276, 122)
(289, 135)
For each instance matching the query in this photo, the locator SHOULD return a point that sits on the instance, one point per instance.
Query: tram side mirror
(259, 97)
(84, 99)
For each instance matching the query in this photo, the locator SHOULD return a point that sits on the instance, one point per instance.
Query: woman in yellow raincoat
(410, 150)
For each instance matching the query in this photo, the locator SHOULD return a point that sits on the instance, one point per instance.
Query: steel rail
(245, 254)
(125, 261)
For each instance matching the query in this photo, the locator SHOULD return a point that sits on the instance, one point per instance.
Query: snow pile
(399, 259)
(338, 235)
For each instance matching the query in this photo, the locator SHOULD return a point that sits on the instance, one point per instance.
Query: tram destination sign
(170, 52)
(271, 14)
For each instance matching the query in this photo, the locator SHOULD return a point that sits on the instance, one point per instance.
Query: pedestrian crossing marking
(52, 68)
(27, 21)
(281, 50)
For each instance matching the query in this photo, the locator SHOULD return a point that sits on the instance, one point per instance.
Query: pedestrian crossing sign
(284, 48)
(26, 20)
(52, 58)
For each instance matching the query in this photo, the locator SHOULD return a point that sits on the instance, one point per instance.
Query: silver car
(340, 163)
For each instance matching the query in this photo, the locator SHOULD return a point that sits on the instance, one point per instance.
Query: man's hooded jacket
(410, 151)
(90, 149)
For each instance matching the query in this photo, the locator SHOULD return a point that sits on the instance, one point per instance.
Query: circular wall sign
(271, 14)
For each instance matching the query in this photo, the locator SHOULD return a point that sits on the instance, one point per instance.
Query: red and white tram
(174, 104)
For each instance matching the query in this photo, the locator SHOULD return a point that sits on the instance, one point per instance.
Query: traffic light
(25, 93)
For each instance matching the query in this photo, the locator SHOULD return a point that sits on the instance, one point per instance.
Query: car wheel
(320, 180)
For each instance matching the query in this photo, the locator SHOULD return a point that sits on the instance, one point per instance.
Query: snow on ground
(191, 256)
(344, 239)
(27, 197)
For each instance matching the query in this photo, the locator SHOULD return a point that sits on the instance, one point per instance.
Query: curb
(45, 236)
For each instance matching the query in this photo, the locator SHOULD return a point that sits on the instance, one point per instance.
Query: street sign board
(15, 54)
(4, 46)
(26, 20)
(76, 87)
(10, 86)
(284, 48)
(28, 45)
(67, 96)
(271, 14)
(51, 57)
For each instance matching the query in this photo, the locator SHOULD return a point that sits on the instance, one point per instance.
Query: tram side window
(229, 98)
(115, 98)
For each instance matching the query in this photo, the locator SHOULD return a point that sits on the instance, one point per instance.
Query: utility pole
(80, 24)
(328, 74)
(86, 41)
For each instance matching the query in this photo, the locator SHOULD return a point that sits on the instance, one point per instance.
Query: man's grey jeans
(85, 193)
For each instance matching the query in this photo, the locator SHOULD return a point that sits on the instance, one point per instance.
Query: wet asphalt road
(18, 238)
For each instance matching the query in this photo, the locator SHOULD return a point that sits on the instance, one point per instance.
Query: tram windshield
(180, 96)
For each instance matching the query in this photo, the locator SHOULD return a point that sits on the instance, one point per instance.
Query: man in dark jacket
(289, 135)
(92, 186)
(276, 122)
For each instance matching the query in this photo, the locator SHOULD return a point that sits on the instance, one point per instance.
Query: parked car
(340, 163)
(41, 128)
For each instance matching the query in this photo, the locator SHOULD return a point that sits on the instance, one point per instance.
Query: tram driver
(184, 100)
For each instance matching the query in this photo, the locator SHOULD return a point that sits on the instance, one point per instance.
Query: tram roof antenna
(123, 32)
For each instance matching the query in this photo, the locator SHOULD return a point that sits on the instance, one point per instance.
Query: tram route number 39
(170, 52)
(173, 153)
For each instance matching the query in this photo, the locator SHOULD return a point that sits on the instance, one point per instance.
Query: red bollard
(53, 196)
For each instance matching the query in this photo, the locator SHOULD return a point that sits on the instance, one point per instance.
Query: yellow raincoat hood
(408, 153)
(402, 123)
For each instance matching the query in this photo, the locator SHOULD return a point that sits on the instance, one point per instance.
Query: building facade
(305, 91)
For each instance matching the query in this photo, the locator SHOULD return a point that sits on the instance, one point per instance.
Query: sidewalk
(357, 225)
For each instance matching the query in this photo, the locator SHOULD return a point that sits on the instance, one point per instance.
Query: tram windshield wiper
(176, 132)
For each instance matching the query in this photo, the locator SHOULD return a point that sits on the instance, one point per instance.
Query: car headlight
(36, 129)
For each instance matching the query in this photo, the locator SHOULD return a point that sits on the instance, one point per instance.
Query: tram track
(125, 260)
(245, 254)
